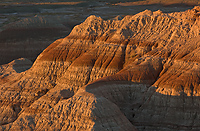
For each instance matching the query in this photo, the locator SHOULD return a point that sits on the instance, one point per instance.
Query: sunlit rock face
(138, 73)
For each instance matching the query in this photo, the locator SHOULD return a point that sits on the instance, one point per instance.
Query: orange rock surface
(138, 73)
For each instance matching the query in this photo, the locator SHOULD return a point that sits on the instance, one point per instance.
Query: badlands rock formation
(29, 37)
(27, 27)
(138, 73)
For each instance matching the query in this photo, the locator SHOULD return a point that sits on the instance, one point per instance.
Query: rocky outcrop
(12, 69)
(9, 72)
(139, 72)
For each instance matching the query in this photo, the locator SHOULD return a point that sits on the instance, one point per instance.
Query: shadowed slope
(30, 36)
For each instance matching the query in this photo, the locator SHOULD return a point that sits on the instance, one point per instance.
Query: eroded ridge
(141, 71)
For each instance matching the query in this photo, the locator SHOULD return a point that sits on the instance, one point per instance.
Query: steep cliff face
(141, 71)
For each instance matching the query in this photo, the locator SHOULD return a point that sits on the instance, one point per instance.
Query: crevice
(124, 53)
(192, 89)
(90, 71)
(111, 58)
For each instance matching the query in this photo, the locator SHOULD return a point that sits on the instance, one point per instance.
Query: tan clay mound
(141, 72)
